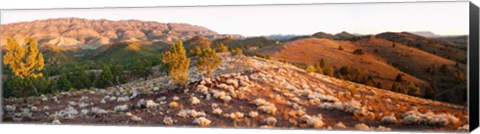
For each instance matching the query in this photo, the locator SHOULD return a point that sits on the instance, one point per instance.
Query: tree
(221, 48)
(318, 69)
(413, 89)
(329, 71)
(79, 78)
(340, 47)
(106, 78)
(177, 63)
(25, 63)
(322, 63)
(344, 70)
(395, 87)
(237, 51)
(142, 68)
(63, 83)
(195, 51)
(358, 52)
(208, 60)
(399, 78)
(310, 69)
(430, 93)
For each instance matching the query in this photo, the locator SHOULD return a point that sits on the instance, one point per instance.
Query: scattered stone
(270, 121)
(121, 108)
(155, 89)
(217, 111)
(10, 108)
(253, 114)
(84, 112)
(34, 108)
(98, 111)
(136, 118)
(194, 101)
(175, 98)
(382, 128)
(173, 104)
(152, 105)
(82, 105)
(362, 126)
(141, 103)
(123, 99)
(56, 122)
(71, 103)
(202, 121)
(68, 113)
(103, 101)
(389, 119)
(44, 98)
(168, 121)
(113, 98)
(340, 125)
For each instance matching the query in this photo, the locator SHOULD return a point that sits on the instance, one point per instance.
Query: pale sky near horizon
(443, 18)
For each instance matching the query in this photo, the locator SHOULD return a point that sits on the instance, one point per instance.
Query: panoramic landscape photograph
(364, 67)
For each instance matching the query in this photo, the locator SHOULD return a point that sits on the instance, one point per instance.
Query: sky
(443, 18)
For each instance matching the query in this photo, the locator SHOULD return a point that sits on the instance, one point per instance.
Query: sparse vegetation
(358, 52)
(208, 60)
(310, 69)
(221, 48)
(177, 63)
(196, 50)
(237, 51)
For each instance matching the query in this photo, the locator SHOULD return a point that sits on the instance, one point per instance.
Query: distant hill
(426, 34)
(380, 60)
(126, 51)
(77, 32)
(426, 44)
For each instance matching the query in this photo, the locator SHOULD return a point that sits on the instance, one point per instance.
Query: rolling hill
(426, 44)
(77, 32)
(380, 59)
(255, 94)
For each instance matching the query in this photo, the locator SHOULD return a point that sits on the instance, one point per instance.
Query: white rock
(98, 111)
(152, 105)
(253, 114)
(270, 121)
(217, 111)
(56, 122)
(121, 108)
(113, 98)
(175, 98)
(141, 103)
(69, 113)
(123, 99)
(410, 119)
(71, 103)
(194, 101)
(10, 108)
(136, 118)
(227, 98)
(389, 119)
(340, 125)
(362, 126)
(156, 89)
(382, 128)
(82, 105)
(202, 121)
(168, 121)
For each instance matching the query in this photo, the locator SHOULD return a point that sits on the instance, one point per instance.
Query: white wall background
(77, 129)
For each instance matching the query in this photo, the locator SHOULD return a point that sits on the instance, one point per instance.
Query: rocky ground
(245, 92)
